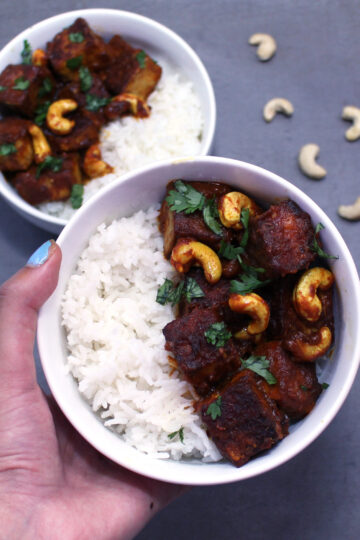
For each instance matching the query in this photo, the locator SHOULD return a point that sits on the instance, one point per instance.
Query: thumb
(20, 299)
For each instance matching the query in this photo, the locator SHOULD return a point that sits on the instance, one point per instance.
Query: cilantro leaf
(217, 334)
(50, 162)
(76, 197)
(315, 245)
(211, 216)
(86, 79)
(76, 37)
(26, 53)
(140, 57)
(244, 218)
(179, 432)
(259, 365)
(74, 63)
(7, 148)
(46, 87)
(214, 409)
(192, 289)
(247, 284)
(21, 84)
(250, 270)
(303, 387)
(164, 292)
(228, 251)
(184, 198)
(94, 103)
(2, 88)
(325, 385)
(41, 112)
(168, 293)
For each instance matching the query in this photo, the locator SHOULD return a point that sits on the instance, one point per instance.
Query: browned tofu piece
(84, 134)
(74, 46)
(215, 295)
(73, 90)
(280, 239)
(297, 388)
(50, 185)
(132, 71)
(242, 419)
(16, 150)
(25, 87)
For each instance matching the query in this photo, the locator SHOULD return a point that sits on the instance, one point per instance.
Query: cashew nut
(276, 105)
(39, 58)
(230, 206)
(54, 118)
(307, 156)
(93, 165)
(353, 114)
(188, 251)
(253, 305)
(308, 351)
(138, 106)
(351, 211)
(40, 144)
(266, 46)
(306, 302)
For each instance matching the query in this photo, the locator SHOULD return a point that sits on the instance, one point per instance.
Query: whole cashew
(309, 352)
(306, 302)
(266, 46)
(40, 144)
(353, 114)
(187, 251)
(54, 118)
(351, 211)
(253, 305)
(307, 156)
(276, 105)
(93, 165)
(230, 206)
(39, 58)
(138, 106)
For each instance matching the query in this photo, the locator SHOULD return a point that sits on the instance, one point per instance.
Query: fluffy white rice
(173, 129)
(116, 346)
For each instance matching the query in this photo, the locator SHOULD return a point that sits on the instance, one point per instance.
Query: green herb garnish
(259, 365)
(303, 387)
(315, 245)
(86, 79)
(2, 88)
(50, 162)
(192, 289)
(94, 103)
(217, 334)
(184, 198)
(76, 37)
(179, 432)
(7, 148)
(247, 284)
(211, 216)
(325, 385)
(21, 84)
(140, 57)
(228, 251)
(168, 293)
(26, 53)
(74, 63)
(77, 194)
(214, 409)
(244, 218)
(41, 112)
(46, 87)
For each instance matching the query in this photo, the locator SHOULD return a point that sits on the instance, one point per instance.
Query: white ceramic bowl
(160, 42)
(138, 191)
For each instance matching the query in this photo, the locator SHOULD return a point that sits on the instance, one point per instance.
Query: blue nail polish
(40, 255)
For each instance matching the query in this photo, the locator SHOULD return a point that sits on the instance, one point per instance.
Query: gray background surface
(317, 494)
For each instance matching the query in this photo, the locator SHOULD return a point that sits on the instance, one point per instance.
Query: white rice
(173, 129)
(116, 346)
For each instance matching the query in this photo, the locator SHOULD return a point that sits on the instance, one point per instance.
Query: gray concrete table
(317, 494)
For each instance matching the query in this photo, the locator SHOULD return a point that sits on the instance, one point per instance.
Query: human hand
(53, 485)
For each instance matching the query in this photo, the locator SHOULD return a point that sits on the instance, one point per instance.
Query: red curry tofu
(242, 419)
(24, 87)
(85, 132)
(16, 150)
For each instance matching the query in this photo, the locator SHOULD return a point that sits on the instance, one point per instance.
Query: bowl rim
(242, 472)
(8, 193)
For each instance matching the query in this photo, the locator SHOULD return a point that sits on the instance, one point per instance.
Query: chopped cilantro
(7, 148)
(140, 57)
(41, 112)
(192, 289)
(184, 198)
(77, 194)
(246, 284)
(76, 37)
(244, 218)
(21, 84)
(259, 365)
(2, 88)
(315, 245)
(214, 409)
(74, 63)
(211, 216)
(217, 334)
(86, 79)
(50, 162)
(179, 432)
(170, 294)
(94, 103)
(325, 385)
(164, 291)
(26, 53)
(228, 251)
(46, 87)
(303, 387)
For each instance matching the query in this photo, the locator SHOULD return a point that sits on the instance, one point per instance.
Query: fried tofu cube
(84, 134)
(242, 419)
(16, 150)
(25, 87)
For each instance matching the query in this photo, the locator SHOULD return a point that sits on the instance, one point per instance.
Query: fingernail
(41, 255)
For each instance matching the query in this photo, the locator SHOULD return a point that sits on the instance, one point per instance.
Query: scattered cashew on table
(266, 46)
(276, 105)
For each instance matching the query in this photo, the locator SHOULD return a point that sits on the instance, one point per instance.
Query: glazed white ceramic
(160, 42)
(139, 190)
